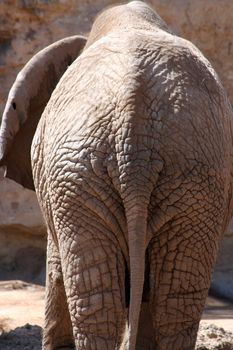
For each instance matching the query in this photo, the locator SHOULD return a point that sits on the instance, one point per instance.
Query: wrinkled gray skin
(132, 163)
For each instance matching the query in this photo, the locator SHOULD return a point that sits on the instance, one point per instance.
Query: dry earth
(22, 303)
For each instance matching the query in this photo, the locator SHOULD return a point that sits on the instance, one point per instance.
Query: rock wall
(29, 25)
(22, 234)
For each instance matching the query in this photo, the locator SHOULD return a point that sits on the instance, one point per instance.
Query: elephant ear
(26, 101)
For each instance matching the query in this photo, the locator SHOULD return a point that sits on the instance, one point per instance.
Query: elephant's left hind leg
(94, 280)
(58, 333)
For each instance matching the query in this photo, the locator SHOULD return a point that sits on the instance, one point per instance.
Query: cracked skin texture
(132, 162)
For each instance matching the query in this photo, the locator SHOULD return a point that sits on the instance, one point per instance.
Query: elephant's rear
(139, 146)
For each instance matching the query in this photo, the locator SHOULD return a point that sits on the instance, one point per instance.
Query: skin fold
(132, 165)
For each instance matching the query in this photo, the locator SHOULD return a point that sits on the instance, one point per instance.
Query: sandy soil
(20, 303)
(21, 319)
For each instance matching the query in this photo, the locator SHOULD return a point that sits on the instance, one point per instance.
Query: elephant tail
(137, 233)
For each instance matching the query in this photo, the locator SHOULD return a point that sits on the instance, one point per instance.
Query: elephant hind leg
(181, 261)
(57, 333)
(94, 271)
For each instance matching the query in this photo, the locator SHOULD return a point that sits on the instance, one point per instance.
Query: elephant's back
(140, 101)
(158, 75)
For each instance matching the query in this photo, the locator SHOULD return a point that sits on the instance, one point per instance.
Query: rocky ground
(211, 337)
(21, 303)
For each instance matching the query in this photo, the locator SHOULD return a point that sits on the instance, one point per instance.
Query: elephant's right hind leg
(57, 333)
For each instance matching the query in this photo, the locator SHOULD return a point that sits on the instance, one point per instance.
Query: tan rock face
(22, 234)
(26, 26)
(19, 206)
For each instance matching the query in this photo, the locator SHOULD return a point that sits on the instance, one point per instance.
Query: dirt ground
(21, 319)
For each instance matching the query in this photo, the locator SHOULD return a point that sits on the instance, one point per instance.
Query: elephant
(126, 136)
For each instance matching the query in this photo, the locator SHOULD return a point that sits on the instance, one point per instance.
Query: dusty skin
(21, 319)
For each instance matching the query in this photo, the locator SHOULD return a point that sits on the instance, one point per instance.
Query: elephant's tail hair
(137, 230)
